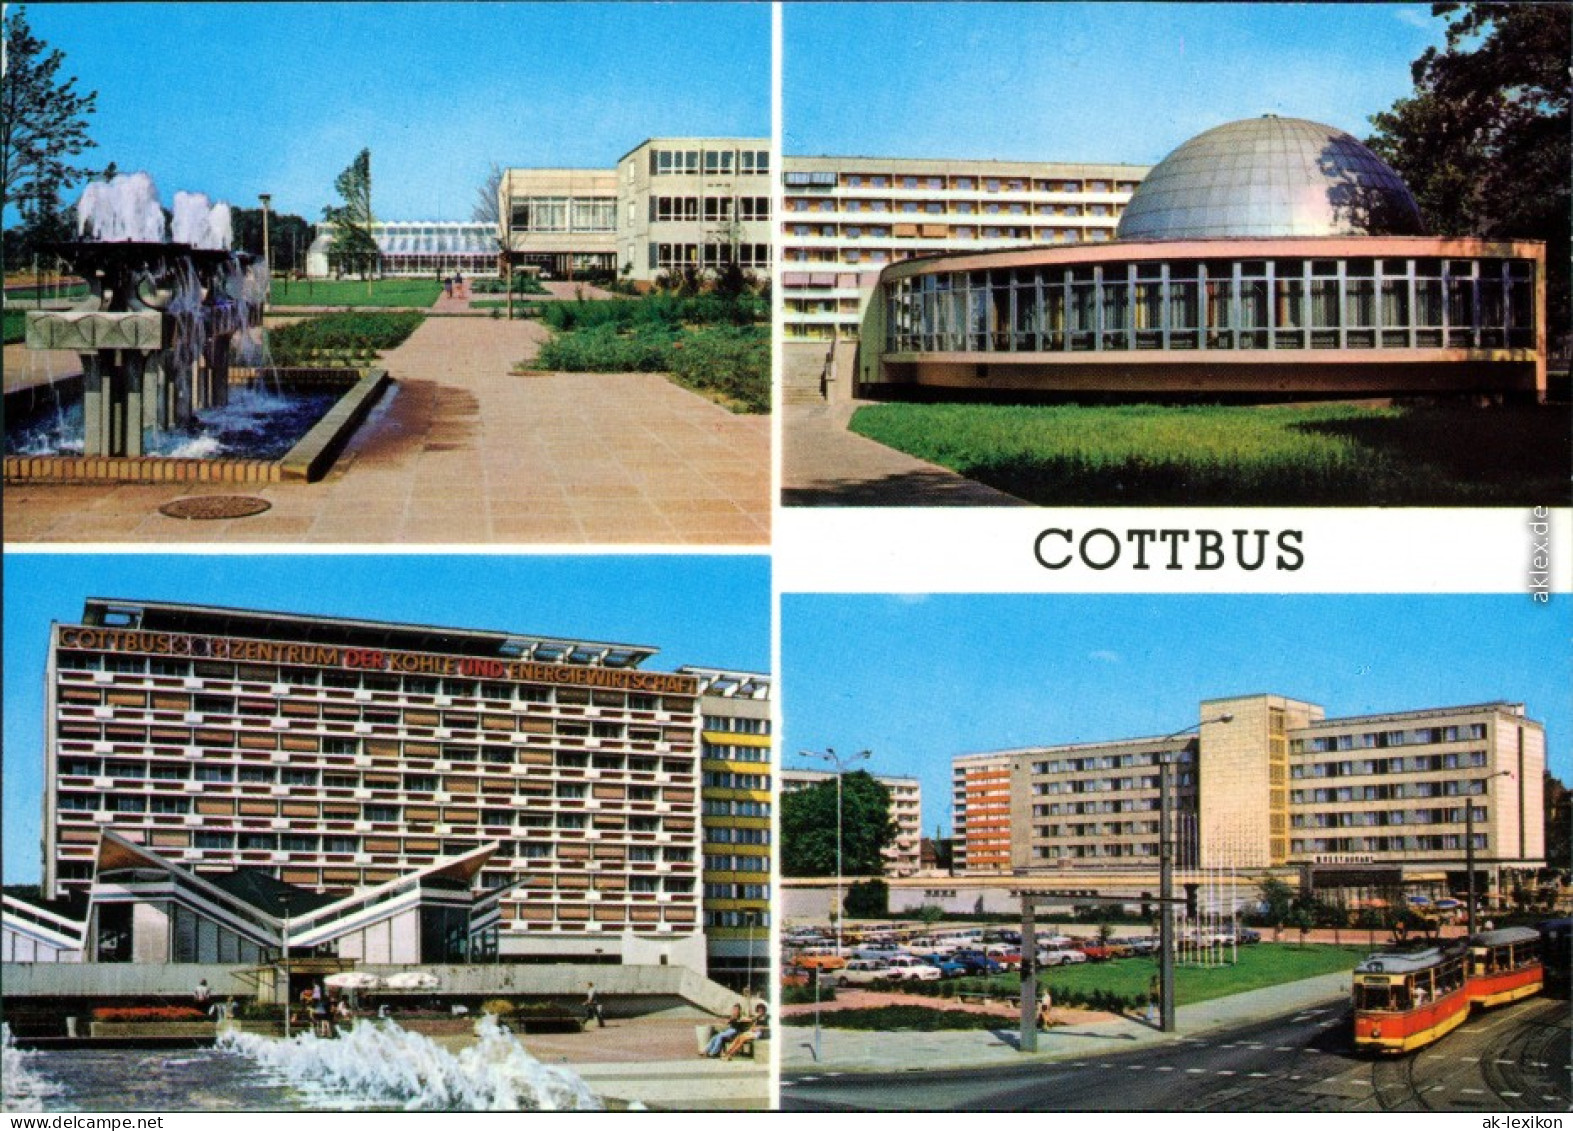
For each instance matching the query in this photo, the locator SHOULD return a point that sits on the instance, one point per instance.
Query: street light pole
(267, 258)
(840, 762)
(1469, 843)
(1166, 1021)
(284, 952)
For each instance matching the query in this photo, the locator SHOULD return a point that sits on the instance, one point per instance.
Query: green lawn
(352, 292)
(1274, 455)
(15, 326)
(1264, 964)
(75, 290)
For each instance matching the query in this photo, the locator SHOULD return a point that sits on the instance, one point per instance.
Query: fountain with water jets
(175, 384)
(155, 333)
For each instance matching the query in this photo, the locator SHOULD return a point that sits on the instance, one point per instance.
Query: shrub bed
(896, 1018)
(137, 1014)
(352, 334)
(522, 285)
(804, 995)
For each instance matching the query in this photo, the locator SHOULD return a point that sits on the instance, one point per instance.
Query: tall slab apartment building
(1268, 781)
(341, 753)
(844, 219)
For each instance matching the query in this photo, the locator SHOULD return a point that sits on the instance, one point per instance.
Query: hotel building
(903, 856)
(1271, 782)
(845, 219)
(340, 754)
(980, 813)
(668, 205)
(736, 763)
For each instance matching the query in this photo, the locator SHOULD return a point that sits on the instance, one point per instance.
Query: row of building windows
(710, 208)
(1218, 304)
(964, 182)
(1107, 762)
(1433, 843)
(1378, 818)
(562, 214)
(737, 724)
(724, 807)
(725, 834)
(731, 863)
(1100, 828)
(737, 891)
(952, 207)
(669, 162)
(1415, 763)
(678, 256)
(1107, 785)
(79, 765)
(1375, 740)
(731, 753)
(758, 919)
(418, 688)
(1084, 808)
(727, 779)
(1396, 792)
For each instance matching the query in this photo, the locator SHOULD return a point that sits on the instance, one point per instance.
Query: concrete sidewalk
(846, 1050)
(824, 465)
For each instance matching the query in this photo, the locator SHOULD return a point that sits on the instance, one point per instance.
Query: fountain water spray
(21, 1089)
(123, 210)
(377, 1062)
(201, 223)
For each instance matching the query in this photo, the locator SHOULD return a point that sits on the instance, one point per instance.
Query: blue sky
(918, 680)
(711, 611)
(237, 99)
(1082, 82)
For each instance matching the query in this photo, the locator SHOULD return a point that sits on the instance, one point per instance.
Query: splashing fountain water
(377, 1063)
(123, 210)
(21, 1089)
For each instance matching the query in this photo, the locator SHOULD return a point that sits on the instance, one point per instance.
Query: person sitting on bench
(734, 1025)
(758, 1030)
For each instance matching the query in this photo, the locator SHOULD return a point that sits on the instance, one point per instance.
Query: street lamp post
(267, 258)
(1166, 874)
(284, 953)
(840, 762)
(1469, 843)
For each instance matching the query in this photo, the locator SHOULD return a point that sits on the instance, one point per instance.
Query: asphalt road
(1514, 1059)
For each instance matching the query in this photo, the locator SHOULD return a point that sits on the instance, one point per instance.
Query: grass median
(1214, 455)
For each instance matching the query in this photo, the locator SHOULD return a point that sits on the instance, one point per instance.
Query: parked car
(948, 967)
(1069, 956)
(1007, 956)
(1141, 944)
(862, 971)
(910, 969)
(977, 962)
(1096, 952)
(817, 961)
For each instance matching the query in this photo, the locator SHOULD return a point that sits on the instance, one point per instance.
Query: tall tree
(1559, 823)
(808, 827)
(288, 236)
(488, 199)
(1484, 142)
(43, 121)
(354, 246)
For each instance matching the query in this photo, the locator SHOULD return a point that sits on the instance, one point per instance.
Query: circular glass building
(1268, 256)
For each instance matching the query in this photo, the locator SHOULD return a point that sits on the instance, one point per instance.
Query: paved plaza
(465, 451)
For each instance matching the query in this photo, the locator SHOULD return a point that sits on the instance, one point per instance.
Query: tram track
(1518, 1056)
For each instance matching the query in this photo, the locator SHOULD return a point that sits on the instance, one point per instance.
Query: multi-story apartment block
(844, 219)
(1269, 781)
(670, 204)
(904, 856)
(980, 812)
(699, 202)
(736, 752)
(339, 754)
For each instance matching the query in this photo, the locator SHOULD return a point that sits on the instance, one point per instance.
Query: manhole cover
(215, 506)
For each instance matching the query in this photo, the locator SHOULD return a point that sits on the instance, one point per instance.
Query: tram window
(1373, 997)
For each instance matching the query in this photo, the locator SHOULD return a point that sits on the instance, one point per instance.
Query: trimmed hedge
(354, 333)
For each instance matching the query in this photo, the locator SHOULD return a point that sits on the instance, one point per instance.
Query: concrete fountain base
(308, 460)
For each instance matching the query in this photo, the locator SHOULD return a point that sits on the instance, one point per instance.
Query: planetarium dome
(1270, 177)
